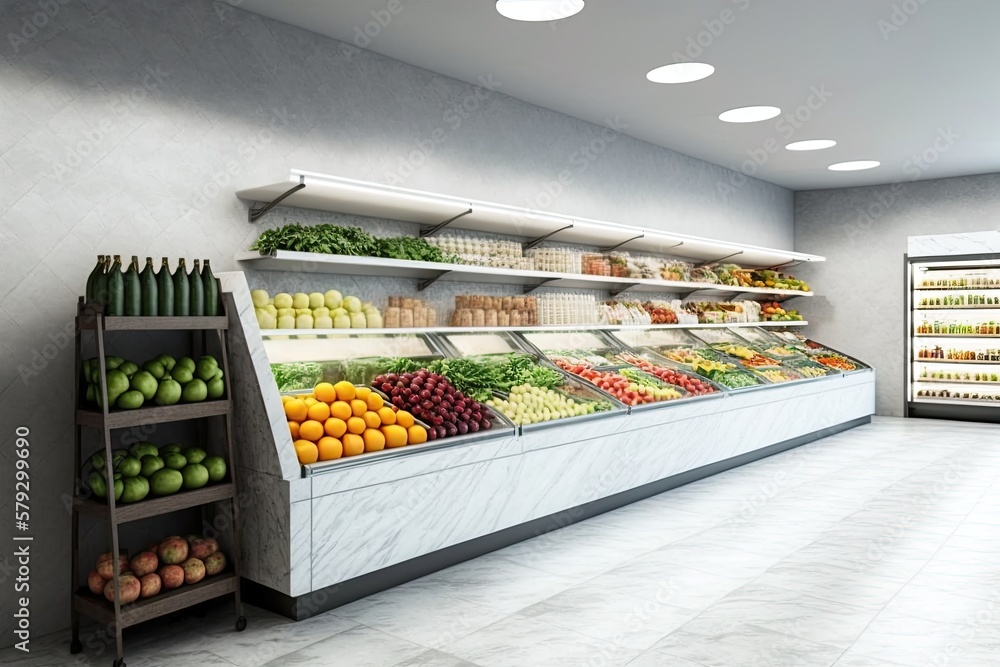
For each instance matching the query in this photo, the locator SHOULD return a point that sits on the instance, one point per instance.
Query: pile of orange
(344, 420)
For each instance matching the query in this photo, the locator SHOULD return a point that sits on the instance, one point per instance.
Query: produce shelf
(143, 509)
(342, 195)
(287, 260)
(954, 401)
(956, 335)
(157, 415)
(957, 289)
(115, 323)
(942, 308)
(306, 333)
(940, 381)
(139, 611)
(955, 361)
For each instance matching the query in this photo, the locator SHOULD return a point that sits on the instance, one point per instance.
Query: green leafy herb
(352, 241)
(296, 376)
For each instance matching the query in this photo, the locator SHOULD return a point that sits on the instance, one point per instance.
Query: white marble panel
(260, 423)
(265, 530)
(300, 548)
(971, 243)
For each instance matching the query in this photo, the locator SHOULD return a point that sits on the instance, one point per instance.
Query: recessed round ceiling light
(749, 114)
(856, 165)
(811, 145)
(539, 10)
(680, 73)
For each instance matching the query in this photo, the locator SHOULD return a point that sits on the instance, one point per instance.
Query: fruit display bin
(428, 507)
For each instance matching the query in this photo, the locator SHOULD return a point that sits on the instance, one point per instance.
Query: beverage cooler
(953, 338)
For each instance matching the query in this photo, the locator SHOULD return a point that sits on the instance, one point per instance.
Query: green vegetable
(351, 241)
(297, 375)
(405, 247)
(479, 378)
(196, 291)
(116, 288)
(149, 290)
(182, 291)
(165, 290)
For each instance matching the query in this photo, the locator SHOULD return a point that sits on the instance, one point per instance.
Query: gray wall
(863, 232)
(126, 126)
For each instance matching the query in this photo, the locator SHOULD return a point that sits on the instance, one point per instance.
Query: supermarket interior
(669, 337)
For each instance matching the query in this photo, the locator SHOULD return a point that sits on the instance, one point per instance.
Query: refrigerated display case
(681, 347)
(768, 346)
(953, 341)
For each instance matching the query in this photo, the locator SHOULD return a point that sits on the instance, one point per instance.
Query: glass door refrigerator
(953, 341)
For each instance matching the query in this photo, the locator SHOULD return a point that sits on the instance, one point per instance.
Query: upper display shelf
(430, 272)
(305, 189)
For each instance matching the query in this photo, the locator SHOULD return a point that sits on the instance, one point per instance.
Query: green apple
(304, 321)
(316, 300)
(322, 311)
(259, 297)
(332, 299)
(300, 300)
(283, 300)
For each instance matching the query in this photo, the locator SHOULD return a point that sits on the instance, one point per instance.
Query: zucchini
(197, 291)
(211, 285)
(133, 291)
(116, 289)
(150, 290)
(182, 291)
(92, 280)
(165, 290)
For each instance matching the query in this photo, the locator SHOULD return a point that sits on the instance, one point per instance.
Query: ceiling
(897, 85)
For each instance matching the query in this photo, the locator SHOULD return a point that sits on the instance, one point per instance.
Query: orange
(395, 436)
(311, 431)
(362, 393)
(296, 410)
(286, 397)
(374, 401)
(356, 425)
(387, 415)
(306, 451)
(335, 427)
(320, 412)
(371, 419)
(417, 434)
(354, 444)
(345, 390)
(374, 440)
(329, 449)
(404, 419)
(341, 410)
(358, 407)
(293, 427)
(325, 392)
(309, 401)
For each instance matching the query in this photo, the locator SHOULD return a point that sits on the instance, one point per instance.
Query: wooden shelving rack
(91, 319)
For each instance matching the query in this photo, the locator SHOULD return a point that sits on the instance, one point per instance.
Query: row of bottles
(951, 300)
(152, 293)
(959, 376)
(990, 328)
(954, 354)
(965, 396)
(971, 281)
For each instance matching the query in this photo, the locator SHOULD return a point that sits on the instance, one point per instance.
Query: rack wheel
(241, 624)
(75, 646)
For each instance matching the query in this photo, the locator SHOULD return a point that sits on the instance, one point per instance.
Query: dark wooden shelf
(139, 611)
(88, 321)
(155, 415)
(153, 506)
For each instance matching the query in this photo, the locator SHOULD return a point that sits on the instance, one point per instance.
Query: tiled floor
(879, 547)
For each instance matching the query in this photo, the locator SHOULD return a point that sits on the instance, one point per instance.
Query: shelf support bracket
(528, 289)
(716, 261)
(776, 267)
(534, 242)
(256, 212)
(618, 290)
(424, 284)
(619, 245)
(431, 231)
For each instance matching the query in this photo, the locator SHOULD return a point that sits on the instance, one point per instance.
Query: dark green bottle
(182, 291)
(116, 289)
(92, 280)
(165, 290)
(150, 290)
(211, 285)
(197, 291)
(101, 283)
(133, 290)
